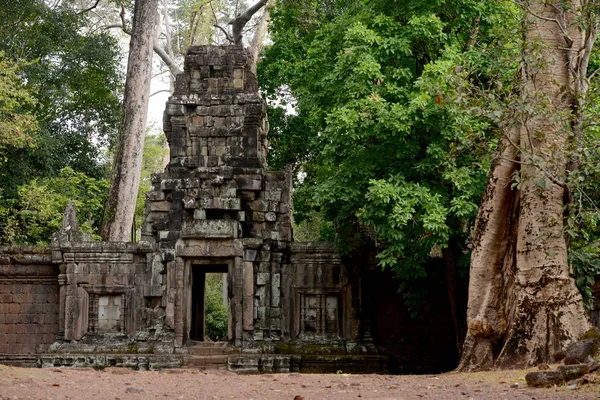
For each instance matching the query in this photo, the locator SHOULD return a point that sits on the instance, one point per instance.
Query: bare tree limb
(216, 25)
(238, 23)
(258, 41)
(90, 8)
(120, 26)
(124, 26)
(160, 73)
(160, 91)
(167, 60)
(169, 43)
(160, 52)
(227, 36)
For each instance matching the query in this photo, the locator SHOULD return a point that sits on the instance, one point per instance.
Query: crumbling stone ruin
(215, 209)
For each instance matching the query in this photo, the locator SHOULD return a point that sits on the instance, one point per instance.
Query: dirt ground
(116, 383)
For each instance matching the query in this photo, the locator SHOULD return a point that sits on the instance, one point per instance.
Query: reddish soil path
(114, 383)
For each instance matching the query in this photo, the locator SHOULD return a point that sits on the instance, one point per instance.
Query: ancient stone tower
(216, 208)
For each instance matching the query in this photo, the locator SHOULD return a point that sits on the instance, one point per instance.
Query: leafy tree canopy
(59, 94)
(73, 75)
(16, 122)
(394, 126)
(42, 203)
(398, 107)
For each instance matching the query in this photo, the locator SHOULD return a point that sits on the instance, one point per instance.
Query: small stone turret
(216, 116)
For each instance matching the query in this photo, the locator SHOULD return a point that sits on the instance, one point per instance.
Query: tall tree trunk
(240, 21)
(120, 206)
(169, 44)
(258, 40)
(523, 303)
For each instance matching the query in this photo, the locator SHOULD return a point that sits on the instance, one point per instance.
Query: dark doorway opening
(198, 329)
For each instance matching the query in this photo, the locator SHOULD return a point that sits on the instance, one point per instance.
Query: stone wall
(320, 307)
(28, 300)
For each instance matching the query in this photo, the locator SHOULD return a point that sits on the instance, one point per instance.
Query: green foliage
(314, 228)
(43, 201)
(73, 75)
(152, 162)
(395, 117)
(582, 226)
(60, 87)
(585, 265)
(216, 314)
(194, 23)
(16, 122)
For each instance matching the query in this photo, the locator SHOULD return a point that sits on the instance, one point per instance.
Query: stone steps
(205, 362)
(19, 360)
(207, 355)
(208, 348)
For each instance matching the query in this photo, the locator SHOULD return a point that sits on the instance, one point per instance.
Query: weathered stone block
(248, 278)
(250, 255)
(258, 216)
(262, 278)
(155, 195)
(270, 217)
(578, 351)
(573, 371)
(258, 205)
(261, 295)
(544, 378)
(248, 319)
(276, 290)
(217, 228)
(199, 214)
(249, 182)
(228, 204)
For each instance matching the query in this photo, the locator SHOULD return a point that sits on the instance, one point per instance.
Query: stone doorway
(201, 276)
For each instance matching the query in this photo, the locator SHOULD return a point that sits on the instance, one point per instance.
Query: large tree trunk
(523, 303)
(258, 40)
(240, 21)
(120, 207)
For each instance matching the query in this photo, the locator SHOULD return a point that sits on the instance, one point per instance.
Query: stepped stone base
(141, 362)
(323, 364)
(19, 360)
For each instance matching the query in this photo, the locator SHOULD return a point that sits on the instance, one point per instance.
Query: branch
(473, 34)
(160, 52)
(160, 73)
(227, 36)
(120, 26)
(160, 91)
(238, 23)
(539, 16)
(91, 8)
(216, 25)
(258, 41)
(122, 15)
(169, 42)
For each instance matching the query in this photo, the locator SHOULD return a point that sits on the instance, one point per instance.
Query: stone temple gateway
(215, 209)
